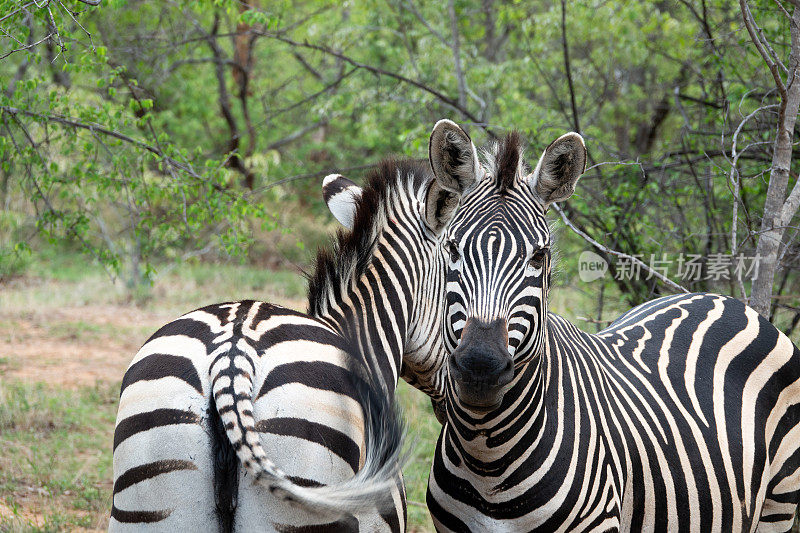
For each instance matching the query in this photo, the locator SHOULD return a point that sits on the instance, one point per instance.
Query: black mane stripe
(509, 152)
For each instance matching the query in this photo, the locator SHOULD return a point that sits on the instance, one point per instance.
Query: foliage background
(147, 132)
(165, 137)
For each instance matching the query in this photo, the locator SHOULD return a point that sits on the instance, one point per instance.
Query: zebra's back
(718, 391)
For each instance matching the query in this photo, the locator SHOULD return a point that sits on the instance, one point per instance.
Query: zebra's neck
(527, 427)
(391, 311)
(483, 443)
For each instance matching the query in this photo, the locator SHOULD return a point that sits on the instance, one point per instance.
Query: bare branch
(105, 131)
(410, 6)
(607, 250)
(734, 174)
(296, 135)
(567, 67)
(755, 36)
(456, 48)
(309, 175)
(376, 70)
(27, 46)
(791, 205)
(20, 8)
(783, 9)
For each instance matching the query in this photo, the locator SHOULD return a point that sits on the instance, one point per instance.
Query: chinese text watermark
(685, 267)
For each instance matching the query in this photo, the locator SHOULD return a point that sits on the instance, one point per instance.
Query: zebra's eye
(452, 249)
(537, 259)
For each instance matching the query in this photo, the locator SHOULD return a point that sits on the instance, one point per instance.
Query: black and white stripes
(683, 415)
(217, 399)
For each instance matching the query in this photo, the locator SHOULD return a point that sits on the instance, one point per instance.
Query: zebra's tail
(370, 489)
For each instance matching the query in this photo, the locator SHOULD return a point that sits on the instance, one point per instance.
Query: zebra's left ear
(558, 170)
(342, 196)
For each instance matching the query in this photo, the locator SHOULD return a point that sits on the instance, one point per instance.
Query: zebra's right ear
(455, 165)
(454, 158)
(342, 196)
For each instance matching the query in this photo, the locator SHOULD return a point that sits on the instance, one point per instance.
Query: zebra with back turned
(247, 416)
(682, 415)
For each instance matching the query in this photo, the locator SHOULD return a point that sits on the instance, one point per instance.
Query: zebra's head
(386, 265)
(498, 256)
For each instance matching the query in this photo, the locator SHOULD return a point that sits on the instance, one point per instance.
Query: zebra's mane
(504, 160)
(351, 251)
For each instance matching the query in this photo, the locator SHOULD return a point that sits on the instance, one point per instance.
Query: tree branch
(456, 48)
(754, 31)
(105, 131)
(295, 135)
(376, 70)
(567, 67)
(607, 250)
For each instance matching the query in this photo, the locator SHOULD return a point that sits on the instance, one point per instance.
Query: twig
(594, 320)
(376, 70)
(29, 4)
(105, 131)
(754, 31)
(456, 48)
(410, 6)
(607, 250)
(567, 67)
(27, 46)
(309, 175)
(734, 172)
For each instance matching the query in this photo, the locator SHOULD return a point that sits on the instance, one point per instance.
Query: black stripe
(188, 327)
(150, 470)
(332, 439)
(334, 187)
(345, 525)
(160, 365)
(300, 332)
(133, 517)
(152, 419)
(304, 482)
(315, 374)
(448, 520)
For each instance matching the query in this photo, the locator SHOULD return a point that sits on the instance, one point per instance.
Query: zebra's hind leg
(780, 507)
(163, 466)
(777, 517)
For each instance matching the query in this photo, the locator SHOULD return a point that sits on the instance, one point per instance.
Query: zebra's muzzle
(481, 366)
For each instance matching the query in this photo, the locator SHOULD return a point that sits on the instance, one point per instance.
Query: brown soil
(73, 347)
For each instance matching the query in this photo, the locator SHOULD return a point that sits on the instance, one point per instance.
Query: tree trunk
(773, 223)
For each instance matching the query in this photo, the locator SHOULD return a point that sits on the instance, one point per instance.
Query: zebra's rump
(175, 465)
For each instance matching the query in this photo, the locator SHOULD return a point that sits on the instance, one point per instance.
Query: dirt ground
(67, 336)
(76, 336)
(68, 348)
(76, 346)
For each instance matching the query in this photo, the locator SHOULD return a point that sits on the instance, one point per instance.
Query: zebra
(277, 391)
(682, 415)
